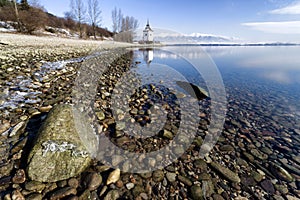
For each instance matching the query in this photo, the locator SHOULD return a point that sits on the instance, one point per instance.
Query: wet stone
(227, 173)
(62, 193)
(171, 176)
(197, 193)
(258, 154)
(185, 180)
(200, 164)
(226, 148)
(158, 175)
(281, 173)
(282, 189)
(248, 156)
(257, 176)
(248, 181)
(268, 186)
(204, 176)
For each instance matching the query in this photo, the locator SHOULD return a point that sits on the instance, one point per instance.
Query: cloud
(293, 9)
(286, 27)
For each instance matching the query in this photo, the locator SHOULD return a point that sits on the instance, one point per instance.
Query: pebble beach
(37, 75)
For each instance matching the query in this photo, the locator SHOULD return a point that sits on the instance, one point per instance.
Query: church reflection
(148, 55)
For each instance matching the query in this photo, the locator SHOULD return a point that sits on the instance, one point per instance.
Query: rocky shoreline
(246, 163)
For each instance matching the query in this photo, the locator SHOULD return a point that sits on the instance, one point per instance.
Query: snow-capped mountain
(167, 36)
(194, 38)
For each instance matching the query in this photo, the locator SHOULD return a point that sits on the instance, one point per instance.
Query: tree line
(83, 16)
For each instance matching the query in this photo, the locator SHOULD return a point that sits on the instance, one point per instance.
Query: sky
(252, 21)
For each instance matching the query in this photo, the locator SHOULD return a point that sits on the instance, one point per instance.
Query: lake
(262, 120)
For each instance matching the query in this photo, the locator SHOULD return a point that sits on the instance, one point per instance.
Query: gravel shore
(38, 73)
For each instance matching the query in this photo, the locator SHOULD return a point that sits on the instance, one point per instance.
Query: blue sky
(255, 20)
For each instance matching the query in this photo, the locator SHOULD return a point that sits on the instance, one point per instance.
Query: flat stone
(171, 177)
(34, 196)
(185, 180)
(268, 186)
(62, 193)
(227, 173)
(226, 148)
(281, 173)
(35, 186)
(59, 152)
(256, 153)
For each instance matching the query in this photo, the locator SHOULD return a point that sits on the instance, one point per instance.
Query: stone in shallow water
(281, 173)
(268, 186)
(197, 193)
(227, 173)
(58, 152)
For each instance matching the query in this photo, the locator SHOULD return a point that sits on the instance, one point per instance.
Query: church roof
(148, 26)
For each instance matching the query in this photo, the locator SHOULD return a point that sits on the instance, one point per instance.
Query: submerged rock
(193, 90)
(281, 173)
(227, 173)
(58, 152)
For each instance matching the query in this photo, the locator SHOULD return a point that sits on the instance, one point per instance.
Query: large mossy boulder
(58, 152)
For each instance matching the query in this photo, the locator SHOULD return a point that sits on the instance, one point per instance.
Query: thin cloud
(286, 27)
(293, 9)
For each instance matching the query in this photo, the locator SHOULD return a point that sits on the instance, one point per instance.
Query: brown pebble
(73, 182)
(119, 184)
(19, 177)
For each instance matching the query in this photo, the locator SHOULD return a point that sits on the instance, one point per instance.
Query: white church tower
(148, 34)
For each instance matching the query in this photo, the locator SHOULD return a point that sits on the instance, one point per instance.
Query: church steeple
(148, 33)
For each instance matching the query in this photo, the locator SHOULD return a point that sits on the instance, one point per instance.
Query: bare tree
(17, 15)
(117, 17)
(78, 12)
(114, 17)
(94, 13)
(129, 24)
(127, 30)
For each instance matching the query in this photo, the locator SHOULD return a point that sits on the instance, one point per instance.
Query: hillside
(37, 21)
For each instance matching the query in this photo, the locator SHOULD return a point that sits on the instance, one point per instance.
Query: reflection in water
(147, 54)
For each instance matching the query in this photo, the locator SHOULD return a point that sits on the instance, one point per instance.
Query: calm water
(262, 83)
